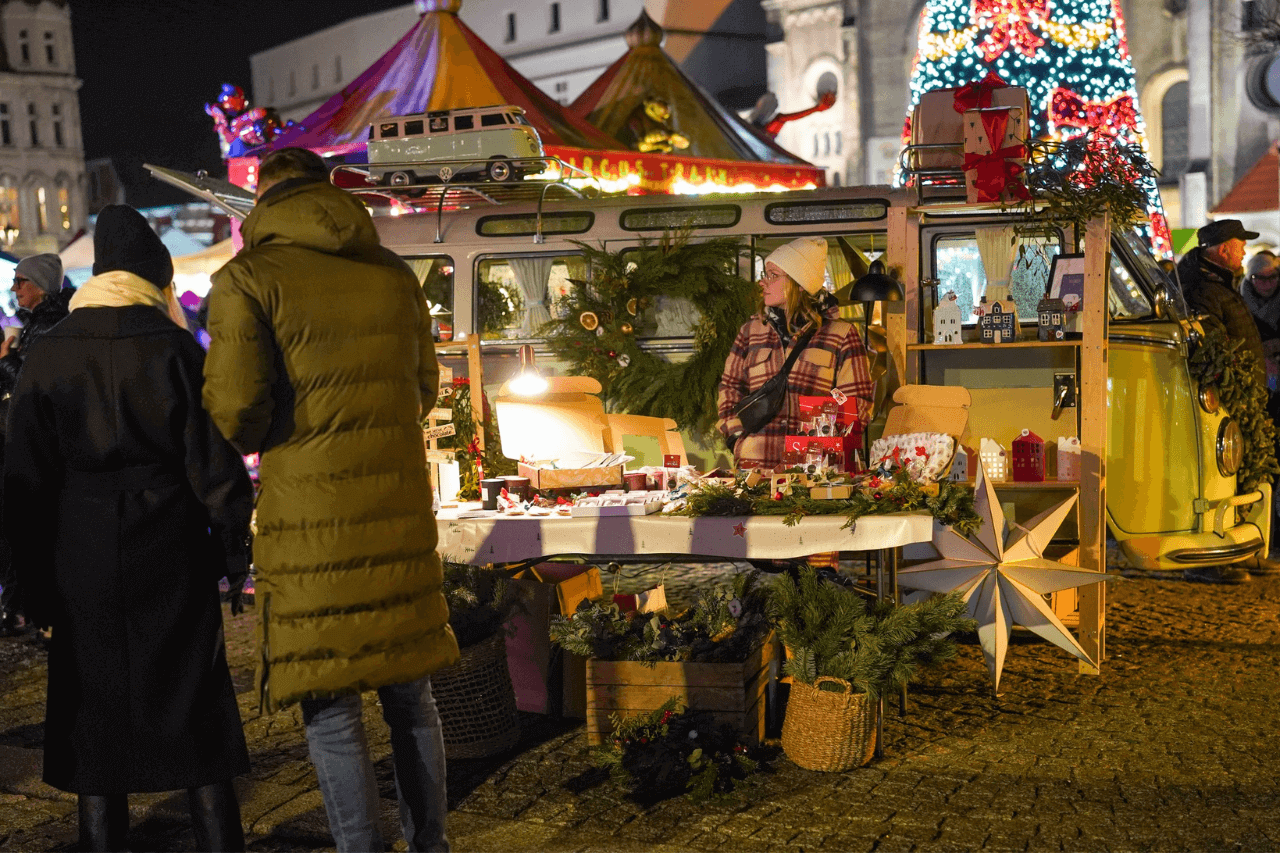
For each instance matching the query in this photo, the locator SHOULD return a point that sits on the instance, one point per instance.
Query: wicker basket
(830, 731)
(476, 701)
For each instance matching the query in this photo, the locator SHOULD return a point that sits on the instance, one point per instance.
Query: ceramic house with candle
(1028, 458)
(998, 322)
(1051, 319)
(1068, 458)
(964, 465)
(947, 321)
(994, 459)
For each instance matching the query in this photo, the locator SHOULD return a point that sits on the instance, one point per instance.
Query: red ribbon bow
(998, 172)
(977, 96)
(1068, 109)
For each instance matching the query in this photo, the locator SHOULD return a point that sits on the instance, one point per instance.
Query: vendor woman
(833, 358)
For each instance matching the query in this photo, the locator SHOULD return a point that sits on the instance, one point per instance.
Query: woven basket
(829, 731)
(476, 701)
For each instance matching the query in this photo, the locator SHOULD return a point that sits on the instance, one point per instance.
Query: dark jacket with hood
(1210, 289)
(321, 359)
(35, 322)
(124, 507)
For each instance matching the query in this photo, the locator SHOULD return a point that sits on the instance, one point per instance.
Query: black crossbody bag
(760, 407)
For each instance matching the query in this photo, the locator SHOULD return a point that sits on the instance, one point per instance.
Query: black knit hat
(122, 240)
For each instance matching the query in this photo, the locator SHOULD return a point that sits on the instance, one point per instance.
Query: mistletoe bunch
(877, 647)
(1219, 361)
(673, 751)
(950, 503)
(724, 624)
(597, 334)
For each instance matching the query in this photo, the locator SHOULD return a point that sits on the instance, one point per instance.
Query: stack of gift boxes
(830, 436)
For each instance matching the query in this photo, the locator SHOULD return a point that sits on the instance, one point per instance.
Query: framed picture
(1066, 282)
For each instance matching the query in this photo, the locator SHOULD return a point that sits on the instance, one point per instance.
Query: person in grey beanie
(42, 303)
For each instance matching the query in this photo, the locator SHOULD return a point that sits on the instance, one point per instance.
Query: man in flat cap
(1208, 274)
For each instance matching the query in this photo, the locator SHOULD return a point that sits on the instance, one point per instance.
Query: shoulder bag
(761, 406)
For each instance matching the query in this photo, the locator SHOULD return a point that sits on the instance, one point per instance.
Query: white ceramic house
(946, 321)
(963, 465)
(994, 459)
(1068, 458)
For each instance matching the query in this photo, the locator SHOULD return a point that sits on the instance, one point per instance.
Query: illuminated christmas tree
(1072, 56)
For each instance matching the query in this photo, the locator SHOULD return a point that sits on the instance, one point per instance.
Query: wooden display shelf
(976, 344)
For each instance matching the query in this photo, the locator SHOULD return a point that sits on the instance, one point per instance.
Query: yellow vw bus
(500, 271)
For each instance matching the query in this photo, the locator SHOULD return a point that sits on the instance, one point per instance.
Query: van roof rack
(449, 190)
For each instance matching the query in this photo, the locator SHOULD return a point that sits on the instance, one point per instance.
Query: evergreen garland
(950, 503)
(673, 751)
(621, 290)
(1234, 369)
(876, 647)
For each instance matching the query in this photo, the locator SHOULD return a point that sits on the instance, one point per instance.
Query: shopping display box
(545, 479)
(734, 693)
(547, 680)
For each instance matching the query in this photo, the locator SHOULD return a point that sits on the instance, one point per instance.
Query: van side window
(413, 128)
(439, 124)
(492, 120)
(464, 122)
(435, 274)
(387, 130)
(965, 263)
(517, 295)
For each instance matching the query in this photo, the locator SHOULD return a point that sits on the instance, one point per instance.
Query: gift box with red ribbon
(939, 117)
(995, 155)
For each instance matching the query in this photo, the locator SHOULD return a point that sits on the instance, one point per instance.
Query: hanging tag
(839, 395)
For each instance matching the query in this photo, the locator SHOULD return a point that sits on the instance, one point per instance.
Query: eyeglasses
(773, 275)
(17, 280)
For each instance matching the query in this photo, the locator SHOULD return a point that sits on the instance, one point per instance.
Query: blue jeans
(340, 753)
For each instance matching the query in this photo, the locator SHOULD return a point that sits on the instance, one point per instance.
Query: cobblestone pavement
(1170, 748)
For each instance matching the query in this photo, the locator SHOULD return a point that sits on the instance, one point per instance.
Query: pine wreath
(596, 335)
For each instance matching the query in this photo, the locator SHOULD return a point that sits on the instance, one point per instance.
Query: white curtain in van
(421, 267)
(532, 275)
(998, 250)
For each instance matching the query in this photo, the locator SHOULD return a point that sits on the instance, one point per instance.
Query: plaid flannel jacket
(834, 358)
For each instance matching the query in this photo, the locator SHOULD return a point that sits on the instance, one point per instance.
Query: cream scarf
(118, 289)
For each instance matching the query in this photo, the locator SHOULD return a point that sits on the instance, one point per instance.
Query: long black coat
(125, 506)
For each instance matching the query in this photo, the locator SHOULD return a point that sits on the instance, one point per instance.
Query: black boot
(104, 822)
(215, 817)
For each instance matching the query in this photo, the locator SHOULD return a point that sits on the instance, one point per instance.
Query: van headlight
(1209, 398)
(1230, 447)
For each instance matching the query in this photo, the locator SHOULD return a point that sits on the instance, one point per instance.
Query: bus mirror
(1161, 302)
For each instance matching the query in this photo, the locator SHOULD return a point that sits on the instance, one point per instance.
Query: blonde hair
(802, 309)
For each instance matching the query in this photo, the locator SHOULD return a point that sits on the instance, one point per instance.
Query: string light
(1073, 59)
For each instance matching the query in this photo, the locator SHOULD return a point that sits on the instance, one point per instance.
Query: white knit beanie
(804, 259)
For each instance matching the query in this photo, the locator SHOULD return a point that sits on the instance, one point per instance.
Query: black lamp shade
(876, 286)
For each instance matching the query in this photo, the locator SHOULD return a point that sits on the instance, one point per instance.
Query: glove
(237, 576)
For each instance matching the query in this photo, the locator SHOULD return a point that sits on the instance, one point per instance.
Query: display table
(509, 539)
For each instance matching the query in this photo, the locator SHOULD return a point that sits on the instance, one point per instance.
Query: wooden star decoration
(1003, 579)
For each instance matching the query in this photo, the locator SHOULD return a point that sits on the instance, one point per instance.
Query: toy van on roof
(476, 142)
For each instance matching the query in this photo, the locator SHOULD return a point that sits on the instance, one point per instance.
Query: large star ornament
(1003, 582)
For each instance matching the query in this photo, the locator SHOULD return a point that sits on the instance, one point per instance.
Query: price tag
(839, 395)
(441, 414)
(441, 456)
(439, 431)
(446, 376)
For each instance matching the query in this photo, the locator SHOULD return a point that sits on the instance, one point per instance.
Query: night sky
(149, 69)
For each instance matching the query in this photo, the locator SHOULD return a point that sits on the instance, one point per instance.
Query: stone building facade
(42, 169)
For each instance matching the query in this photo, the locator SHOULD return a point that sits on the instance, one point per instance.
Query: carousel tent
(440, 64)
(615, 104)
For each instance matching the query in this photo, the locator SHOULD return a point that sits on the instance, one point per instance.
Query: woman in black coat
(125, 506)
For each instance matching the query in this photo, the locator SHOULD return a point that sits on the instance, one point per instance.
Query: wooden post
(1092, 402)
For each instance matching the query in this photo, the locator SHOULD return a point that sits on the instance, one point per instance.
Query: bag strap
(800, 344)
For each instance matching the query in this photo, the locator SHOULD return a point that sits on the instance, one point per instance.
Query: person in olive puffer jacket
(321, 359)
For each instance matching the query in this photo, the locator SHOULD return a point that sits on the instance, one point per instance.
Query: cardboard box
(935, 121)
(572, 478)
(977, 141)
(547, 680)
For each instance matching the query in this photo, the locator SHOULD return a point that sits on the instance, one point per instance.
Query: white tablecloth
(503, 539)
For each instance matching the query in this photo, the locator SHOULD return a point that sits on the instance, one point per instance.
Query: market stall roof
(1258, 190)
(440, 64)
(615, 103)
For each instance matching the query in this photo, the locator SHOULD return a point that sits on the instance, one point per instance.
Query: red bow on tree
(977, 96)
(1067, 109)
(1010, 22)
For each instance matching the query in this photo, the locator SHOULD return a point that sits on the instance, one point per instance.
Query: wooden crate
(733, 692)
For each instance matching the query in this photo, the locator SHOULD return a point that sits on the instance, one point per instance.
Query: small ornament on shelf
(994, 459)
(997, 321)
(947, 321)
(1028, 458)
(1051, 316)
(1068, 458)
(963, 465)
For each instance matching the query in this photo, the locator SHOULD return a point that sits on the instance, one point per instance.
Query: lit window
(42, 215)
(64, 207)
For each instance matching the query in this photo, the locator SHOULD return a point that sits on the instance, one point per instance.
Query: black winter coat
(35, 322)
(1209, 289)
(125, 506)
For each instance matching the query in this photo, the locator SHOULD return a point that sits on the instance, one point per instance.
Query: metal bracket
(1064, 393)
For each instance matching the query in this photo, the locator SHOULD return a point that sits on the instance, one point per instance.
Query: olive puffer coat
(321, 359)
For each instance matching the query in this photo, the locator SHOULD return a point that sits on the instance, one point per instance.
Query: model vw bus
(477, 142)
